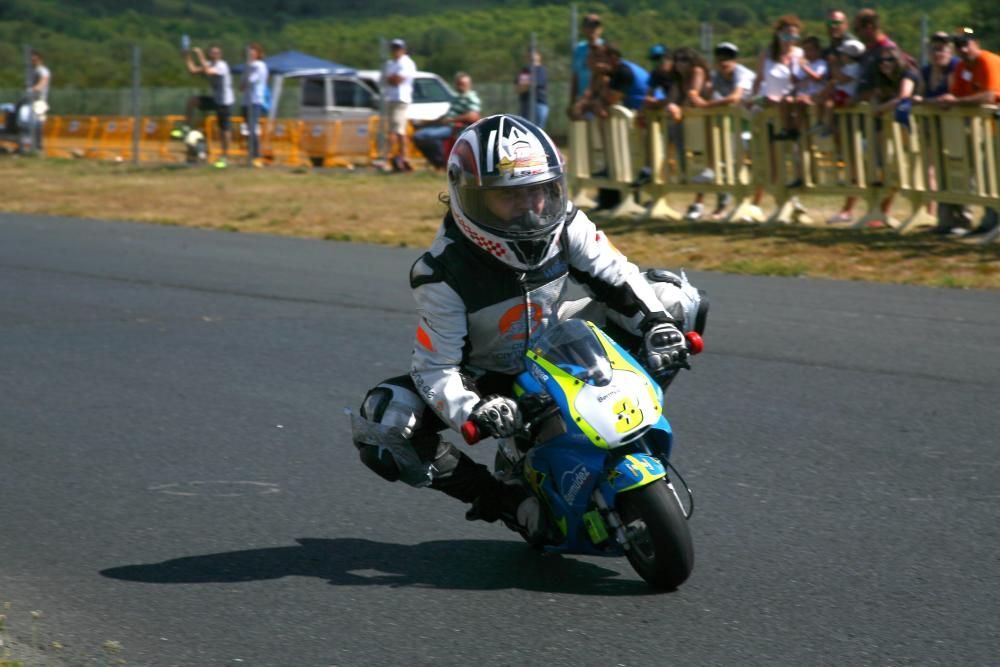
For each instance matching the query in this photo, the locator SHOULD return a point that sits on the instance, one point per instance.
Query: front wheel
(660, 547)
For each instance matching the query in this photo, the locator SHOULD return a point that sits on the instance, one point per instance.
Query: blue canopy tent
(294, 61)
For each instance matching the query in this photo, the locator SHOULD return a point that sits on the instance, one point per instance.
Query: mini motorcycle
(595, 449)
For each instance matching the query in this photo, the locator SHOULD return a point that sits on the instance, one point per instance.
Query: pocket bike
(595, 449)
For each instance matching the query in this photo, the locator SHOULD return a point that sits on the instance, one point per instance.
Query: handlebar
(471, 433)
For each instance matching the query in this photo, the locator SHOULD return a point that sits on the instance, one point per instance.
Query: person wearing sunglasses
(778, 68)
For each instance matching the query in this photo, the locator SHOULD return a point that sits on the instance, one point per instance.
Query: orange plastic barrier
(155, 143)
(319, 140)
(114, 139)
(280, 141)
(69, 136)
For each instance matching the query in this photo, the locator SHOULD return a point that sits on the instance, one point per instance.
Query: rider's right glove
(496, 416)
(665, 348)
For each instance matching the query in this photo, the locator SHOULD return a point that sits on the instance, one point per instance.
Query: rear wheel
(660, 547)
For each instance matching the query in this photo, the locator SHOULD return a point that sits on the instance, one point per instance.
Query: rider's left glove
(497, 416)
(665, 348)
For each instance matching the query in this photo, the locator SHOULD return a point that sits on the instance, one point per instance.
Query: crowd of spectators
(804, 77)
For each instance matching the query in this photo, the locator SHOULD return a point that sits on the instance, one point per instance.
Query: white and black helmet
(508, 157)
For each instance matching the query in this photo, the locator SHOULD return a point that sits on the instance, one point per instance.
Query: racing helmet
(507, 190)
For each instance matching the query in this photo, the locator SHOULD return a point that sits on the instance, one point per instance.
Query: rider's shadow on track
(447, 564)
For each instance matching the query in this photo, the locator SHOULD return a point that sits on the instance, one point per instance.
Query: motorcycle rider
(497, 274)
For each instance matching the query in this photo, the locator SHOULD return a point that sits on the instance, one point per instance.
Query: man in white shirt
(397, 86)
(732, 84)
(41, 77)
(216, 70)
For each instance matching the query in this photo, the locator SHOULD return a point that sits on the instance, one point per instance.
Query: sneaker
(644, 178)
(180, 132)
(695, 211)
(705, 176)
(840, 219)
(220, 163)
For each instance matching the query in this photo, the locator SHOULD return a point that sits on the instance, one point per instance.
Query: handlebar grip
(695, 342)
(471, 432)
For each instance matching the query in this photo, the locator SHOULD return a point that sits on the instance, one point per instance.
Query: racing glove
(496, 416)
(665, 348)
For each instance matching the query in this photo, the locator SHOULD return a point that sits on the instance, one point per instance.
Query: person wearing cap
(941, 62)
(976, 80)
(845, 78)
(397, 86)
(732, 84)
(660, 77)
(592, 29)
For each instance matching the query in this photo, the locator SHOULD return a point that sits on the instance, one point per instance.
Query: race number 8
(629, 415)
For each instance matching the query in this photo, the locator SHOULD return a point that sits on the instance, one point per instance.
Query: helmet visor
(517, 212)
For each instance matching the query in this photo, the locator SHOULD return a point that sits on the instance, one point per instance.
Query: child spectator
(813, 72)
(845, 87)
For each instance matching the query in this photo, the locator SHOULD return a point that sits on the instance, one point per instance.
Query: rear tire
(660, 547)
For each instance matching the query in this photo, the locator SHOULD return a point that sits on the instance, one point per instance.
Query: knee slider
(390, 441)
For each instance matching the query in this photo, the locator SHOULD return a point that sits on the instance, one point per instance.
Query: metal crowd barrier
(936, 156)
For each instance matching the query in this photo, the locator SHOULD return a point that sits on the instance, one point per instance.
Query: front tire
(660, 547)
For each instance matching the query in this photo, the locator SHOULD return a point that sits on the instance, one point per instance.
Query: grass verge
(403, 210)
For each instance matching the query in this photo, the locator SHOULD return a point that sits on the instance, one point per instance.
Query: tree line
(88, 43)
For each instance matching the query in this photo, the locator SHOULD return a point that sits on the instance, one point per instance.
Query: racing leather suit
(476, 319)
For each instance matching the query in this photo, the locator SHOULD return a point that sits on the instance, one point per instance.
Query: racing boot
(514, 504)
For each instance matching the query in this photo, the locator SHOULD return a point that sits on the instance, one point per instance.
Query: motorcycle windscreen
(607, 396)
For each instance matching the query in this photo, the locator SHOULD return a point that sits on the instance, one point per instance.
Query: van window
(429, 90)
(313, 93)
(351, 94)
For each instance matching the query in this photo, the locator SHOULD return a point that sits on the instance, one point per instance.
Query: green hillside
(87, 43)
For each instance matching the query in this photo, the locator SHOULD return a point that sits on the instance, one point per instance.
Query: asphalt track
(176, 473)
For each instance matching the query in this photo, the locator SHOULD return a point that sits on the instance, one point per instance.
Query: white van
(353, 98)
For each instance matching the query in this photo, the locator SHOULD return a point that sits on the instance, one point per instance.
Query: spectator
(896, 85)
(254, 86)
(867, 26)
(691, 82)
(524, 79)
(661, 77)
(581, 84)
(778, 67)
(465, 109)
(41, 79)
(845, 87)
(657, 94)
(942, 62)
(976, 80)
(397, 82)
(590, 103)
(936, 74)
(627, 82)
(836, 30)
(813, 73)
(732, 85)
(216, 70)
